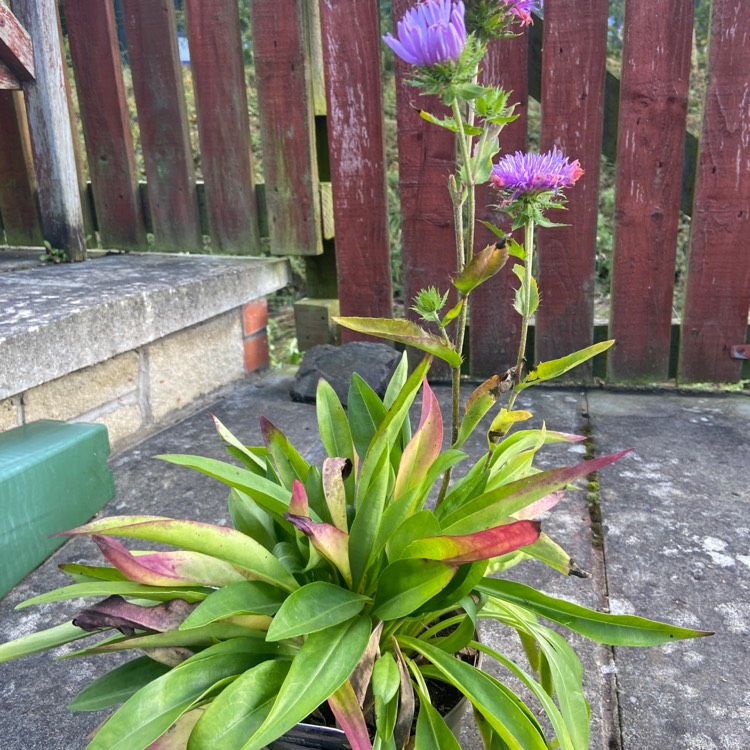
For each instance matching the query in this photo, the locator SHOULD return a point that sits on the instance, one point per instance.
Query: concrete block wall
(131, 342)
(139, 391)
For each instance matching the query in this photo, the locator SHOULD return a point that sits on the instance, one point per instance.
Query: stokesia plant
(343, 595)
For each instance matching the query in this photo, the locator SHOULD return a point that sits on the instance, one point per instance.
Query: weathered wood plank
(215, 39)
(495, 330)
(160, 100)
(653, 107)
(426, 157)
(18, 192)
(282, 69)
(92, 34)
(573, 64)
(15, 45)
(718, 286)
(8, 79)
(356, 143)
(51, 134)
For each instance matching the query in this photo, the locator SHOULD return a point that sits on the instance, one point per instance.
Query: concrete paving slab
(33, 692)
(677, 546)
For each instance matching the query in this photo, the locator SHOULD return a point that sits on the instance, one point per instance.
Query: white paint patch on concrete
(744, 559)
(736, 616)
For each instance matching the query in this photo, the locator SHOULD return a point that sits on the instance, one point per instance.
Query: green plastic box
(53, 476)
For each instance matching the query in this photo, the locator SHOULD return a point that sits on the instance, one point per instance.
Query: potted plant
(348, 595)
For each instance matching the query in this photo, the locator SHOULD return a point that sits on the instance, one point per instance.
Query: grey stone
(375, 363)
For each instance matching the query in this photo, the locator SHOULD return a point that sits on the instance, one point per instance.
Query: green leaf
(251, 519)
(479, 403)
(266, 493)
(556, 367)
(614, 630)
(316, 606)
(332, 424)
(150, 712)
(91, 573)
(240, 709)
(504, 421)
(123, 588)
(218, 541)
(42, 640)
(245, 454)
(118, 684)
(289, 464)
(366, 412)
(520, 302)
(349, 716)
(415, 527)
(246, 598)
(504, 711)
(405, 332)
(405, 585)
(432, 731)
(321, 666)
(397, 381)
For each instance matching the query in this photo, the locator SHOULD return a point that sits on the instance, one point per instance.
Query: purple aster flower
(430, 33)
(527, 175)
(520, 8)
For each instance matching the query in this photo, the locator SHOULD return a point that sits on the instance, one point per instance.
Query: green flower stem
(528, 268)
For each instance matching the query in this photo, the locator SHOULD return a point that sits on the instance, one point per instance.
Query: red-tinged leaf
(540, 506)
(115, 612)
(289, 464)
(349, 715)
(481, 545)
(218, 541)
(482, 266)
(493, 507)
(331, 542)
(167, 568)
(335, 471)
(299, 505)
(405, 332)
(424, 447)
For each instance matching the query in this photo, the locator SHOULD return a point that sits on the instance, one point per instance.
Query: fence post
(92, 35)
(718, 284)
(50, 128)
(651, 141)
(573, 67)
(351, 50)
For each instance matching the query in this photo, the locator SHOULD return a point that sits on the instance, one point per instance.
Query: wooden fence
(318, 77)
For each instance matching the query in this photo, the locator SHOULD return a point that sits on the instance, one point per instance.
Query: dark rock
(375, 363)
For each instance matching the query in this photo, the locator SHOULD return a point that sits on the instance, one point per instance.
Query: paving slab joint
(613, 727)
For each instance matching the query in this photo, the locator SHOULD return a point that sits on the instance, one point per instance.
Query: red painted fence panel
(718, 287)
(495, 328)
(106, 125)
(223, 124)
(351, 42)
(426, 156)
(573, 68)
(286, 126)
(653, 107)
(160, 100)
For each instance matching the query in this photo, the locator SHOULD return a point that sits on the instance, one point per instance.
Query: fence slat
(426, 157)
(495, 327)
(160, 100)
(18, 197)
(92, 33)
(286, 126)
(351, 51)
(215, 39)
(651, 140)
(718, 285)
(573, 64)
(15, 46)
(51, 135)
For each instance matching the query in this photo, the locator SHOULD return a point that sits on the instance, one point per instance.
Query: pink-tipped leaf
(331, 542)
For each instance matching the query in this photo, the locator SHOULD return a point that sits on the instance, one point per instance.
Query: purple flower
(520, 8)
(430, 33)
(527, 175)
